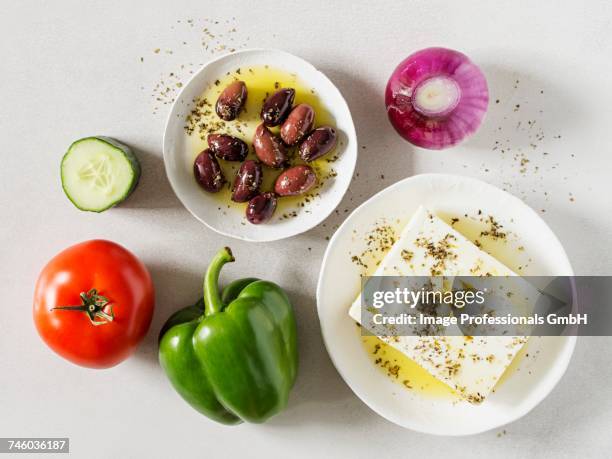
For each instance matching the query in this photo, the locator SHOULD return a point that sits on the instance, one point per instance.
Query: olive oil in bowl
(261, 81)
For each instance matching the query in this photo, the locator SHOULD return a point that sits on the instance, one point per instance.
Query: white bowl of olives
(260, 145)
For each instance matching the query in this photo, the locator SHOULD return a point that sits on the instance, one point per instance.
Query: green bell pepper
(232, 356)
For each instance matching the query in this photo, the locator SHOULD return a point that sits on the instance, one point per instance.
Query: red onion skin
(436, 133)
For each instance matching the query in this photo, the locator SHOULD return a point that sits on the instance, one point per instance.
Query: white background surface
(69, 70)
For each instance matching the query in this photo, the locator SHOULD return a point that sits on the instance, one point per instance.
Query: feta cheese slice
(471, 366)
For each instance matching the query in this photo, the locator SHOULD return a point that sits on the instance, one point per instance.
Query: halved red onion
(436, 97)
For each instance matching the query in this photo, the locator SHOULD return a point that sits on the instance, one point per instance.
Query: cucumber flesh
(98, 173)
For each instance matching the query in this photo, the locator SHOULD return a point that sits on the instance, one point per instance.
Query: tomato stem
(94, 306)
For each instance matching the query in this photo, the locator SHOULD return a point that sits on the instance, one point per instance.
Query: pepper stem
(212, 296)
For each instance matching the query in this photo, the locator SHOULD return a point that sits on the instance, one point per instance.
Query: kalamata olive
(276, 107)
(207, 171)
(318, 143)
(247, 181)
(295, 180)
(269, 148)
(227, 147)
(231, 100)
(261, 207)
(298, 124)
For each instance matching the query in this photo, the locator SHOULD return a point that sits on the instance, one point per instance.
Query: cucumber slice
(98, 173)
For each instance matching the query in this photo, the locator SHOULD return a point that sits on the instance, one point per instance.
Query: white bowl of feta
(488, 225)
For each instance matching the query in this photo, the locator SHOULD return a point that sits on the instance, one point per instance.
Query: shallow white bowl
(339, 284)
(178, 159)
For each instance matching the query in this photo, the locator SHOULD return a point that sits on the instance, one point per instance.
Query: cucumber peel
(98, 173)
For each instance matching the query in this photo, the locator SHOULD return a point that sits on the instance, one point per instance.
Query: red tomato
(112, 285)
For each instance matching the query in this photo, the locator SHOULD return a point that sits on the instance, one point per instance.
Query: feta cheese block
(471, 366)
